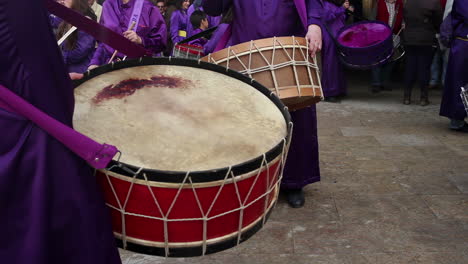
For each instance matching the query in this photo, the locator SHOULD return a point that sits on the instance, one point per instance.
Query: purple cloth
(198, 42)
(116, 16)
(215, 38)
(259, 19)
(50, 202)
(333, 75)
(178, 23)
(452, 105)
(78, 59)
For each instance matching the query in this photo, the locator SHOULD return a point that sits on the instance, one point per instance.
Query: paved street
(394, 190)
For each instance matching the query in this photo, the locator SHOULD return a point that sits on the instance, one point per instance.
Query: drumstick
(66, 35)
(401, 29)
(116, 51)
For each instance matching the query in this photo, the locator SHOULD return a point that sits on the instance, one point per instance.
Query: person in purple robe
(51, 208)
(79, 47)
(265, 19)
(179, 21)
(333, 75)
(452, 105)
(150, 32)
(199, 21)
(197, 5)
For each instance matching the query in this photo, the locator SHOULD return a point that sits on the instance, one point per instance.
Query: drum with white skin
(203, 151)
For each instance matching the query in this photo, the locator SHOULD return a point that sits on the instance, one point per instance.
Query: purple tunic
(116, 16)
(178, 24)
(77, 59)
(333, 75)
(452, 105)
(198, 42)
(51, 207)
(256, 20)
(215, 38)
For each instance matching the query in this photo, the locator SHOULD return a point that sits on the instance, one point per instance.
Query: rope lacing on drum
(243, 203)
(272, 67)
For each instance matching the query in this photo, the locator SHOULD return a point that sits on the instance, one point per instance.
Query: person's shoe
(424, 101)
(406, 101)
(376, 88)
(463, 128)
(386, 88)
(296, 198)
(433, 87)
(332, 99)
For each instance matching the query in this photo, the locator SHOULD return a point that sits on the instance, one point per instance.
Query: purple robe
(333, 75)
(198, 42)
(456, 77)
(215, 38)
(256, 20)
(178, 24)
(78, 59)
(116, 16)
(51, 208)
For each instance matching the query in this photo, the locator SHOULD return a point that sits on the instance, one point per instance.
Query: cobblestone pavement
(394, 189)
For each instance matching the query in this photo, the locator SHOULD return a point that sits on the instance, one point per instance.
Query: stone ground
(394, 189)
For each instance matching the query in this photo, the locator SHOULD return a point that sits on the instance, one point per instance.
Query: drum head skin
(364, 35)
(177, 118)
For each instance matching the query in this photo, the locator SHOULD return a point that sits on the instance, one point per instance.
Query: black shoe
(376, 88)
(406, 101)
(424, 101)
(296, 198)
(332, 99)
(463, 129)
(386, 88)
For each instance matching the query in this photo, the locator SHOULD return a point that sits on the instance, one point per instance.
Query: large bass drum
(203, 150)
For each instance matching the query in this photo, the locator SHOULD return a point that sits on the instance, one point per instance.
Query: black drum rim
(204, 176)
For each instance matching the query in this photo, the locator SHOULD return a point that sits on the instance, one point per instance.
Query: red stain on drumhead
(128, 87)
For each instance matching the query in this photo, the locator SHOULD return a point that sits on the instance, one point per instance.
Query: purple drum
(365, 44)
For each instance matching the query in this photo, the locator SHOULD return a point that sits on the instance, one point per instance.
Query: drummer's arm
(216, 7)
(98, 57)
(156, 39)
(314, 31)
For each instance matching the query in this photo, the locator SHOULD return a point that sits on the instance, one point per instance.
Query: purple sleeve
(156, 39)
(175, 21)
(213, 42)
(99, 55)
(314, 12)
(217, 7)
(333, 12)
(84, 46)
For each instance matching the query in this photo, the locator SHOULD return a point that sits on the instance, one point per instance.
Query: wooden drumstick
(401, 29)
(116, 51)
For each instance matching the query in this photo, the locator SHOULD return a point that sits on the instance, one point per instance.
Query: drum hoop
(188, 185)
(192, 49)
(390, 37)
(206, 176)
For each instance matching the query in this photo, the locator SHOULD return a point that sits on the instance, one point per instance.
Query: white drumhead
(186, 119)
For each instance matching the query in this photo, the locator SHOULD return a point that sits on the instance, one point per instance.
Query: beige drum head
(178, 118)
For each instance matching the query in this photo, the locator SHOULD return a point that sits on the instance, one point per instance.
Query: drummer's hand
(75, 76)
(314, 38)
(132, 36)
(92, 67)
